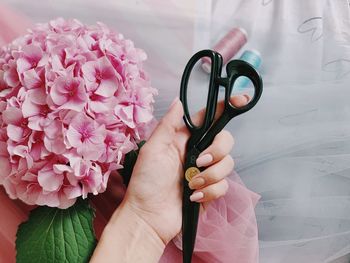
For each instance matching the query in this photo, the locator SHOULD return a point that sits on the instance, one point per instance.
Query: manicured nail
(174, 102)
(204, 160)
(247, 97)
(196, 196)
(196, 182)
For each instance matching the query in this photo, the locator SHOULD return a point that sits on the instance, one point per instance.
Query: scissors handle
(235, 69)
(216, 66)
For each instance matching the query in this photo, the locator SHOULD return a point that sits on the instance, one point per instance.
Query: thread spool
(228, 46)
(253, 57)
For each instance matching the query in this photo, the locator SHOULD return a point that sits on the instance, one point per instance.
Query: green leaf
(129, 163)
(57, 235)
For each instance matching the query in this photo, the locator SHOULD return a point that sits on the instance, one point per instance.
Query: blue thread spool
(253, 58)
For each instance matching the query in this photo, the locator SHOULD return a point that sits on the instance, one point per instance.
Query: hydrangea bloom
(74, 100)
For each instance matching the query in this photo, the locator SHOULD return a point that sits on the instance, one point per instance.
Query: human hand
(155, 190)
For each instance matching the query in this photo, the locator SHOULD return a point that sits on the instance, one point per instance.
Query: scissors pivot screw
(191, 172)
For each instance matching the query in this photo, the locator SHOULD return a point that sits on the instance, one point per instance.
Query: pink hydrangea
(74, 99)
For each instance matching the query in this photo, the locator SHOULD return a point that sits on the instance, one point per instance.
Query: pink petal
(33, 52)
(89, 71)
(72, 179)
(61, 168)
(98, 106)
(56, 146)
(93, 182)
(74, 137)
(23, 65)
(5, 92)
(23, 151)
(49, 180)
(81, 168)
(85, 150)
(53, 129)
(12, 116)
(142, 115)
(72, 191)
(35, 151)
(32, 193)
(29, 108)
(125, 113)
(106, 176)
(56, 91)
(29, 177)
(50, 199)
(73, 106)
(35, 123)
(11, 76)
(81, 92)
(79, 121)
(56, 64)
(37, 96)
(64, 201)
(31, 79)
(58, 99)
(43, 61)
(107, 88)
(127, 145)
(99, 135)
(67, 116)
(15, 133)
(106, 69)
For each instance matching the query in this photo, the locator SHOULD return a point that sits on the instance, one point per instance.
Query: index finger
(238, 101)
(184, 134)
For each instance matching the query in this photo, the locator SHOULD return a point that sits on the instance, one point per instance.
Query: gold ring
(191, 172)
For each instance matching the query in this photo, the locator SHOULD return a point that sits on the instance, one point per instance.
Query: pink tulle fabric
(227, 228)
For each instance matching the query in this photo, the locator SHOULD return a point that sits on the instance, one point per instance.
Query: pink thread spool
(228, 46)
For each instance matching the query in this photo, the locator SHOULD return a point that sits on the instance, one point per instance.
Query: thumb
(168, 126)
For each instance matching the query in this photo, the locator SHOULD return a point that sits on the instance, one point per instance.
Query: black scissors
(202, 136)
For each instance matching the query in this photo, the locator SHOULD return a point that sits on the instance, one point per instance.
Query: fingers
(221, 146)
(211, 183)
(238, 101)
(167, 127)
(184, 134)
(213, 174)
(210, 192)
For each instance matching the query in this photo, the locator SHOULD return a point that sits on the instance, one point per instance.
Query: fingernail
(247, 97)
(174, 102)
(196, 182)
(196, 196)
(204, 160)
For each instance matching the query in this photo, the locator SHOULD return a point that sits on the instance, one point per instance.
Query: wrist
(148, 217)
(128, 238)
(137, 227)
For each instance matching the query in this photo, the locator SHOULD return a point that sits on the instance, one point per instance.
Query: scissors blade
(190, 215)
(190, 210)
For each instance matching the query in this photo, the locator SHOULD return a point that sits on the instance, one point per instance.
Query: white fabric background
(293, 148)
